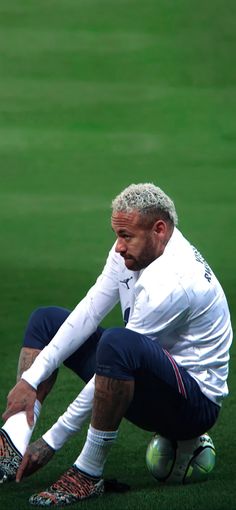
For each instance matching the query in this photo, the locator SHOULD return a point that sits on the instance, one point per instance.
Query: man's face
(137, 242)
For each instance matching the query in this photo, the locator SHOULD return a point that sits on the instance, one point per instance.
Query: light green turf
(95, 94)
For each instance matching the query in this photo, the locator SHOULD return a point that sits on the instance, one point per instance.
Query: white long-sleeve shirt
(176, 300)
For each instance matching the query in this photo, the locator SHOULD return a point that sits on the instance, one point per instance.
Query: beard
(146, 257)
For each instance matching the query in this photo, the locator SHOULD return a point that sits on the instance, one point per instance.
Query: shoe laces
(74, 482)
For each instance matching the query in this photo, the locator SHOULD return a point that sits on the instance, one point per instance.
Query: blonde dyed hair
(148, 200)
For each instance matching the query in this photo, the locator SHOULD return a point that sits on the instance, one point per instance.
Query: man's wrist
(26, 377)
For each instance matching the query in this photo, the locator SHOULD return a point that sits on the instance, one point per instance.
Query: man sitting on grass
(165, 371)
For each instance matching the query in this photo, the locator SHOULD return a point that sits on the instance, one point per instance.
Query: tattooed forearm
(40, 452)
(26, 359)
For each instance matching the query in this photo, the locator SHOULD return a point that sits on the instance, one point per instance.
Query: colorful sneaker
(10, 458)
(71, 487)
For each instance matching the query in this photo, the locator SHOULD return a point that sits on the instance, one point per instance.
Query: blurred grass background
(95, 95)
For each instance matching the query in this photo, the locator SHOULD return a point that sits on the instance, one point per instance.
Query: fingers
(16, 408)
(30, 416)
(8, 413)
(22, 467)
(29, 464)
(5, 416)
(12, 408)
(21, 398)
(37, 455)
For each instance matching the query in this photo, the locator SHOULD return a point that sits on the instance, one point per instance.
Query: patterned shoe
(71, 487)
(10, 458)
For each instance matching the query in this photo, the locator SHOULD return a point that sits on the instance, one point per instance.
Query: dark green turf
(95, 95)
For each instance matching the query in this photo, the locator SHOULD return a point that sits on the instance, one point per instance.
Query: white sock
(19, 430)
(95, 451)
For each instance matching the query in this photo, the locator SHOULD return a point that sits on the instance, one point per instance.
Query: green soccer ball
(180, 461)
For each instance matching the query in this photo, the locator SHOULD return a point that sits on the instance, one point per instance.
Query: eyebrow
(121, 231)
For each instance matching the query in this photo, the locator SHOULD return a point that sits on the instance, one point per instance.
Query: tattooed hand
(36, 456)
(21, 398)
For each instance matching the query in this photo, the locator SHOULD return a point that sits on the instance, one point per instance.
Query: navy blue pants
(166, 399)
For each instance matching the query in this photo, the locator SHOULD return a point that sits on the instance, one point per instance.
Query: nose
(120, 245)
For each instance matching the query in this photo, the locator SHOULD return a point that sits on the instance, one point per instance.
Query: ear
(160, 228)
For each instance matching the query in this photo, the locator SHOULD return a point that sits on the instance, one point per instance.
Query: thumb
(30, 416)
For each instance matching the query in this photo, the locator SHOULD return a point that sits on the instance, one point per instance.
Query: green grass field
(95, 95)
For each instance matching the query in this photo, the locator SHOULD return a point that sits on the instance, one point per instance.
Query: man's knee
(39, 315)
(116, 355)
(43, 324)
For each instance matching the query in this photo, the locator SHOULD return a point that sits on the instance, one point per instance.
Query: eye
(124, 235)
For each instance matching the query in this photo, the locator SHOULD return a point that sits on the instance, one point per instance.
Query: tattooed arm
(23, 395)
(37, 455)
